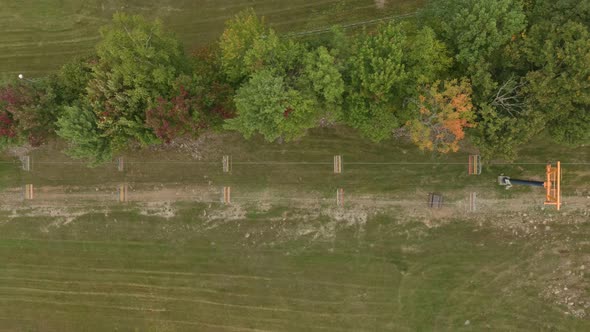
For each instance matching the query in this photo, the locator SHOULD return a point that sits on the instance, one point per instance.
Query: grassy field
(304, 170)
(129, 272)
(290, 266)
(38, 36)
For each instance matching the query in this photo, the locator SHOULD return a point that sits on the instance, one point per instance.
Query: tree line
(498, 72)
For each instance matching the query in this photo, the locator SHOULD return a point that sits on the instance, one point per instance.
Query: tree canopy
(445, 110)
(496, 72)
(560, 85)
(78, 125)
(266, 105)
(138, 61)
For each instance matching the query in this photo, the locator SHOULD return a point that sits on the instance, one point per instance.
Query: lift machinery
(552, 184)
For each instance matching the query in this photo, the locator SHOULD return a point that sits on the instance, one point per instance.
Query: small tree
(266, 105)
(499, 134)
(376, 77)
(322, 77)
(559, 86)
(445, 110)
(78, 126)
(28, 112)
(426, 58)
(138, 61)
(476, 29)
(248, 45)
(239, 37)
(72, 79)
(214, 94)
(176, 117)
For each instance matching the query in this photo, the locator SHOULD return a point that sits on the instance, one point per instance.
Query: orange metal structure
(553, 185)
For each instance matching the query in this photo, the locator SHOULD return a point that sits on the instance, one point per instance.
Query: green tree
(239, 37)
(558, 11)
(477, 32)
(383, 73)
(78, 125)
(499, 135)
(323, 75)
(376, 77)
(137, 62)
(560, 86)
(247, 46)
(267, 105)
(426, 58)
(476, 29)
(72, 79)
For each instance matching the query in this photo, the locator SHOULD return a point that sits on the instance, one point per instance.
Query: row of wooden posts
(434, 200)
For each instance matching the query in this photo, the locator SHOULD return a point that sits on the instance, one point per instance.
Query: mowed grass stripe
(167, 299)
(219, 277)
(446, 260)
(197, 23)
(114, 286)
(107, 317)
(170, 307)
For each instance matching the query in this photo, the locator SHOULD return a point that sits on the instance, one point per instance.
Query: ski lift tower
(552, 184)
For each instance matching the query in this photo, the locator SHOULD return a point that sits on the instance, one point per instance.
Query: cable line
(350, 25)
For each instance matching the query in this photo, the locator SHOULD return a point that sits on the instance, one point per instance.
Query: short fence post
(474, 167)
(123, 188)
(227, 164)
(472, 202)
(227, 195)
(340, 197)
(120, 164)
(337, 164)
(29, 192)
(26, 163)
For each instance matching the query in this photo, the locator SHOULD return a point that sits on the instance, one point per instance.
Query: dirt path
(150, 195)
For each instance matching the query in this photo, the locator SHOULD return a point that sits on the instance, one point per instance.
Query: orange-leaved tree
(445, 110)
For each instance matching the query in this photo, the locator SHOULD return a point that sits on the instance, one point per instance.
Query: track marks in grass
(195, 274)
(50, 42)
(228, 327)
(87, 304)
(150, 287)
(190, 300)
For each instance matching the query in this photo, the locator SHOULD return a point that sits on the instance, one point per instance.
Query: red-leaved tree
(26, 112)
(176, 117)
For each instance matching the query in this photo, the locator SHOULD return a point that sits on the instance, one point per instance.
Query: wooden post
(340, 197)
(26, 163)
(120, 164)
(474, 165)
(337, 164)
(29, 192)
(123, 188)
(472, 202)
(227, 195)
(227, 164)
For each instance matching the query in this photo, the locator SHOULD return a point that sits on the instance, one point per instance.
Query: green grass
(37, 36)
(276, 270)
(128, 272)
(286, 177)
